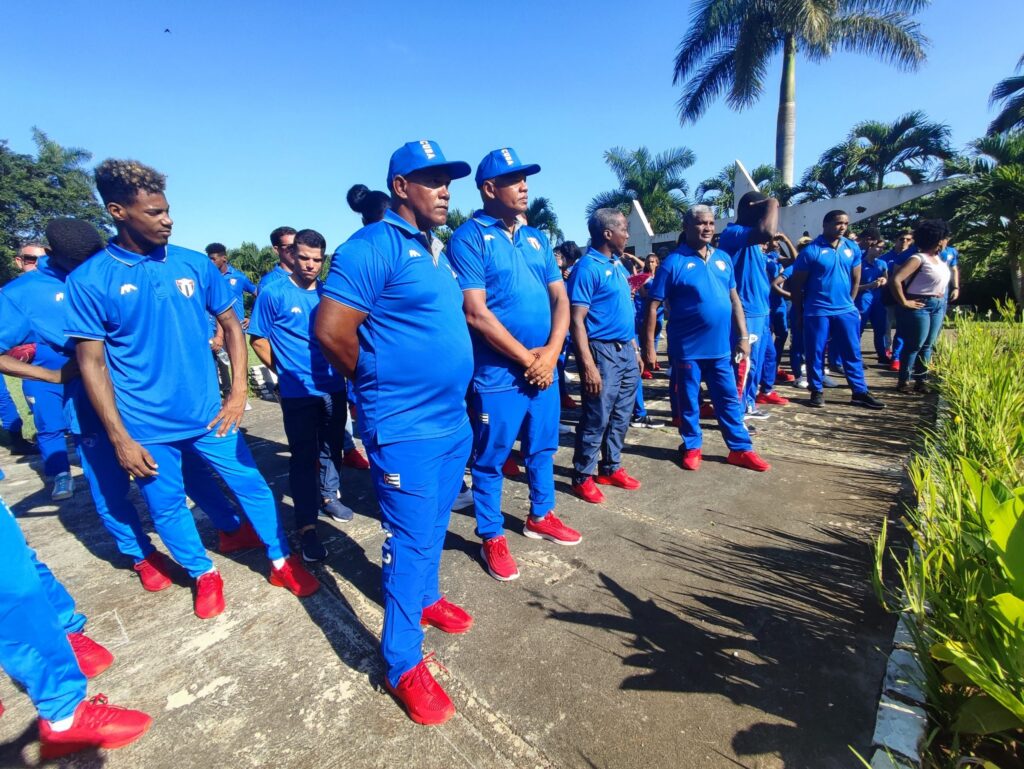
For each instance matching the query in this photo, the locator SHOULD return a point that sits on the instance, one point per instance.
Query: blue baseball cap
(501, 162)
(414, 156)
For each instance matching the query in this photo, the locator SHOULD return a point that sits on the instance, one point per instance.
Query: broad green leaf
(1008, 609)
(955, 675)
(983, 715)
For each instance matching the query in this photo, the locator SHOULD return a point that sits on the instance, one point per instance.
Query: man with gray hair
(601, 323)
(698, 283)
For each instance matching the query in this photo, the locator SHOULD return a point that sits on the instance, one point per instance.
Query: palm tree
(717, 191)
(455, 220)
(837, 172)
(730, 43)
(542, 216)
(906, 146)
(655, 181)
(1011, 93)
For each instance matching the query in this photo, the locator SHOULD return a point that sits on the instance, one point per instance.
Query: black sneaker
(817, 399)
(644, 421)
(336, 511)
(921, 387)
(312, 548)
(865, 400)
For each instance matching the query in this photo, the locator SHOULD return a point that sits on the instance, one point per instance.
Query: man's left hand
(229, 416)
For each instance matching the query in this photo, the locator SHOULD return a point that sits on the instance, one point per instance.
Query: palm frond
(893, 37)
(710, 81)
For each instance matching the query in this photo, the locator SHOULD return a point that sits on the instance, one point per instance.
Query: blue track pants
(36, 614)
(10, 419)
(416, 483)
(721, 381)
(47, 403)
(757, 325)
(842, 333)
(526, 413)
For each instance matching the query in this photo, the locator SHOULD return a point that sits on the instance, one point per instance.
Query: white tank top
(931, 279)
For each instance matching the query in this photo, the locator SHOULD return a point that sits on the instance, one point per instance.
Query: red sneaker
(511, 468)
(552, 529)
(646, 374)
(749, 460)
(772, 399)
(895, 365)
(92, 658)
(354, 458)
(154, 571)
(690, 459)
(244, 538)
(97, 724)
(421, 696)
(619, 478)
(294, 577)
(588, 491)
(209, 601)
(656, 366)
(569, 403)
(707, 411)
(499, 561)
(784, 376)
(446, 617)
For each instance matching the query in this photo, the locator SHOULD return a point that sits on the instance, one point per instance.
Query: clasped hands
(541, 372)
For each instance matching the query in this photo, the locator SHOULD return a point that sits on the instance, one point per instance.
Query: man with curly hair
(138, 310)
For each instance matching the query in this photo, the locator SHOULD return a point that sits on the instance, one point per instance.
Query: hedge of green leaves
(962, 582)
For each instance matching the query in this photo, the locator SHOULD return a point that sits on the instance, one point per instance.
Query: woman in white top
(920, 287)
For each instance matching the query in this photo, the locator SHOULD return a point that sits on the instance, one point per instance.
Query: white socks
(63, 725)
(277, 563)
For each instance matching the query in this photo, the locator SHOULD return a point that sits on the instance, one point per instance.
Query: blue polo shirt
(602, 284)
(829, 276)
(150, 311)
(870, 272)
(284, 315)
(415, 355)
(239, 284)
(271, 277)
(515, 272)
(32, 309)
(750, 265)
(699, 302)
(950, 256)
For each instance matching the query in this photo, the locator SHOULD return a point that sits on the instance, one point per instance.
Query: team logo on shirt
(59, 296)
(720, 264)
(186, 286)
(488, 237)
(608, 272)
(296, 311)
(534, 242)
(690, 266)
(393, 479)
(233, 281)
(127, 288)
(847, 252)
(414, 253)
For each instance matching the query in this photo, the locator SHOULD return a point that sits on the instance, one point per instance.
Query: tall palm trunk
(785, 130)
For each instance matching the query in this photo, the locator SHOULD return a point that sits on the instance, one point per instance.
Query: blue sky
(264, 113)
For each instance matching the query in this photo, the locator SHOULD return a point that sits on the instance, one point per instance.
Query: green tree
(837, 172)
(730, 43)
(1010, 92)
(911, 145)
(717, 191)
(254, 261)
(455, 220)
(655, 181)
(542, 216)
(34, 190)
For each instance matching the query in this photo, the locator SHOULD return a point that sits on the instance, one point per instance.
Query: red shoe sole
(609, 482)
(421, 720)
(57, 749)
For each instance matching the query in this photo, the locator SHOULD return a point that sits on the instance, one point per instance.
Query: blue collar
(45, 266)
(593, 252)
(684, 250)
(486, 220)
(396, 221)
(130, 258)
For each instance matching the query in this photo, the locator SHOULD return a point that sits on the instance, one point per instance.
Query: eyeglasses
(28, 258)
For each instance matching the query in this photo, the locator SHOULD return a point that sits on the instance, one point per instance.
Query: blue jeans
(416, 484)
(605, 418)
(919, 330)
(36, 614)
(500, 417)
(315, 429)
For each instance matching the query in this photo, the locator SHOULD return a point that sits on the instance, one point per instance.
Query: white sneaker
(802, 383)
(464, 500)
(803, 369)
(63, 487)
(248, 406)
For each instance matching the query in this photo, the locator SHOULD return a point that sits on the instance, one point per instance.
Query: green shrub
(962, 582)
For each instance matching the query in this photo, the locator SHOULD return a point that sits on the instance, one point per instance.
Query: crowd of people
(104, 336)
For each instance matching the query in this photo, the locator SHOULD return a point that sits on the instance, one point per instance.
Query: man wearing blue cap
(392, 322)
(516, 306)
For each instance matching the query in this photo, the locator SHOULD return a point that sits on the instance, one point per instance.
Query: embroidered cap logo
(428, 149)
